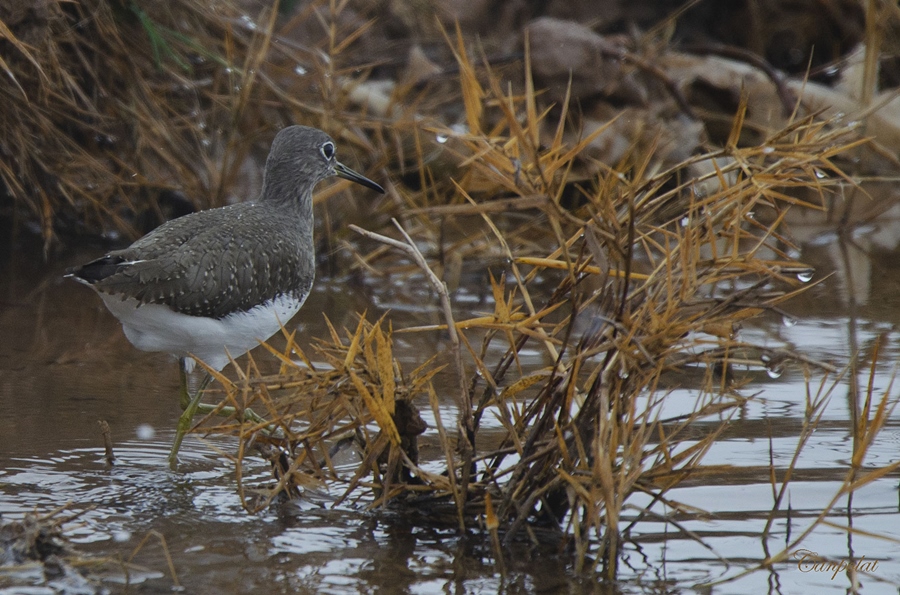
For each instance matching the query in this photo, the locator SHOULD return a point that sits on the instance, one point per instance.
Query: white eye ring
(327, 150)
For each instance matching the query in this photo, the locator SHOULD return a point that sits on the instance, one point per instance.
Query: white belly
(152, 327)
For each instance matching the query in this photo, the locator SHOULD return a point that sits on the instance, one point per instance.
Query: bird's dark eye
(327, 151)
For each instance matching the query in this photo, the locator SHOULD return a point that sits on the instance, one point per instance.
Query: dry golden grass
(112, 106)
(652, 271)
(619, 277)
(112, 103)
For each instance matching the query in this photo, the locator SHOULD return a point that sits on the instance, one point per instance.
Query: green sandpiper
(214, 284)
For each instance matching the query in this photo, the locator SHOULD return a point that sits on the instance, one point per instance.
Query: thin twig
(107, 442)
(465, 421)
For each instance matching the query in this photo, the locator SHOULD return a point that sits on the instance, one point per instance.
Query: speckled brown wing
(239, 259)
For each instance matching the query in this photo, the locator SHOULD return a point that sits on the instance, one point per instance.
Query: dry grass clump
(315, 409)
(653, 271)
(119, 115)
(620, 274)
(109, 101)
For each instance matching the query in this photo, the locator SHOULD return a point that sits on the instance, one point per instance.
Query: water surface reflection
(64, 364)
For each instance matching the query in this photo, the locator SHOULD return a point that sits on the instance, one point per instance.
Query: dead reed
(620, 274)
(119, 115)
(652, 271)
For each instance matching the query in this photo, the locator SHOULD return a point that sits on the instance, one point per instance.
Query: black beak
(345, 172)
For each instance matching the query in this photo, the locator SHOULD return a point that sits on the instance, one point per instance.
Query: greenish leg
(191, 406)
(185, 393)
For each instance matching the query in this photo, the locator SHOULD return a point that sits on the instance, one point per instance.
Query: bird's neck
(287, 195)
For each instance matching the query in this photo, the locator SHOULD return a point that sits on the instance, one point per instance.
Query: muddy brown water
(64, 364)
